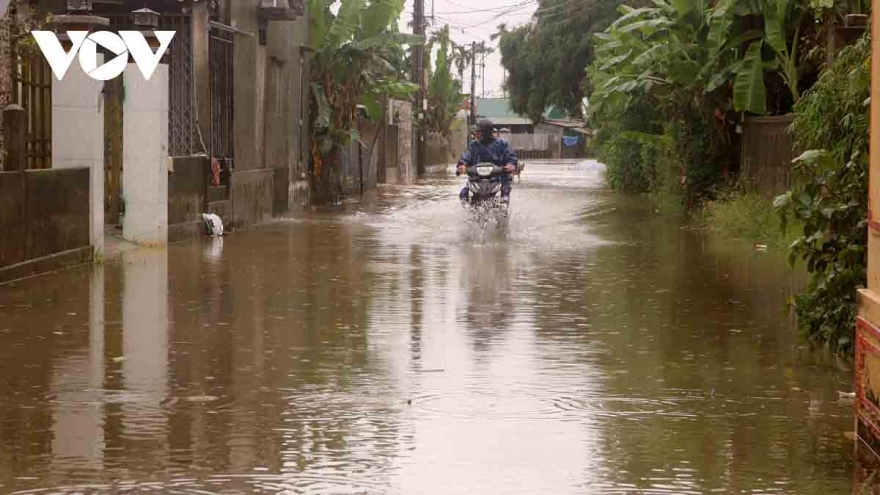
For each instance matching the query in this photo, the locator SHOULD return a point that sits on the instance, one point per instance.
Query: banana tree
(444, 92)
(352, 68)
(658, 50)
(749, 89)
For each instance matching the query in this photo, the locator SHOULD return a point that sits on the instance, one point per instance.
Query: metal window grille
(221, 62)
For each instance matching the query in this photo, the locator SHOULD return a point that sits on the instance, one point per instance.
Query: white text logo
(86, 45)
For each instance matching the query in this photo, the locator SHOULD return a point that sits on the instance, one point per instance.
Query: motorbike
(484, 193)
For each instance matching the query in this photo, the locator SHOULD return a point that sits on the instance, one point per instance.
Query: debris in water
(759, 247)
(846, 396)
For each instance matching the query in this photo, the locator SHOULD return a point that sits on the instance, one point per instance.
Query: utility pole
(473, 82)
(483, 72)
(418, 79)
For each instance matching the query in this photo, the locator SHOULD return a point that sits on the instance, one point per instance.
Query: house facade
(222, 127)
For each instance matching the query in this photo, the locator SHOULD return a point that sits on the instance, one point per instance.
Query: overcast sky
(468, 21)
(475, 21)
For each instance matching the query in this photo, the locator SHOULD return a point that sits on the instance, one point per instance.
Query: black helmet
(486, 127)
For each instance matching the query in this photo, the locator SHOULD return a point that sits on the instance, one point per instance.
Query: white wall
(78, 137)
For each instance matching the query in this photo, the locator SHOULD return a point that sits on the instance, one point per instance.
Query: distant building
(557, 135)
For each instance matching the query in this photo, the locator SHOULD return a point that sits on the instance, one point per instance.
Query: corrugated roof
(572, 124)
(498, 109)
(509, 121)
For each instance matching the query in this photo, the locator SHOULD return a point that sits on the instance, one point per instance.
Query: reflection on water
(595, 348)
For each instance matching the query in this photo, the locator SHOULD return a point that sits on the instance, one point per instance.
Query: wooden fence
(767, 152)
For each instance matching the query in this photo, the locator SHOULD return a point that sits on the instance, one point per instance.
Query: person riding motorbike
(487, 148)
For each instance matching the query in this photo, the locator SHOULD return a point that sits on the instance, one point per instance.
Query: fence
(528, 142)
(5, 77)
(221, 59)
(767, 152)
(32, 89)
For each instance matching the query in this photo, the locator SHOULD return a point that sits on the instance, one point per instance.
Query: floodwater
(594, 348)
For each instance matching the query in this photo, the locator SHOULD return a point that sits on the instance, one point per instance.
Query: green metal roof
(498, 109)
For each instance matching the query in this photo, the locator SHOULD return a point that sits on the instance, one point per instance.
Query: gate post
(78, 138)
(13, 125)
(145, 155)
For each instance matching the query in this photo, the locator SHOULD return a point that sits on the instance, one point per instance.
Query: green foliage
(829, 195)
(444, 92)
(357, 54)
(667, 54)
(749, 217)
(545, 59)
(749, 92)
(628, 146)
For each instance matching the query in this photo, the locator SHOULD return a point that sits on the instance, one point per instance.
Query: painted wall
(271, 113)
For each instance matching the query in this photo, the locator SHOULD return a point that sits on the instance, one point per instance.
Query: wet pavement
(596, 347)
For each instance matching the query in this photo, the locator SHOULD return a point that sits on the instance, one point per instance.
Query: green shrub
(630, 160)
(747, 216)
(829, 195)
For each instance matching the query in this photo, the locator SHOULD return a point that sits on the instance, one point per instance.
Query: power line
(475, 11)
(514, 9)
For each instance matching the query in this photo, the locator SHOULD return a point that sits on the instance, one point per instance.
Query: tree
(354, 55)
(669, 55)
(546, 58)
(461, 58)
(444, 92)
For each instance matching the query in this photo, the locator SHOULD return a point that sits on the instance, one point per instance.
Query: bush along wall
(829, 195)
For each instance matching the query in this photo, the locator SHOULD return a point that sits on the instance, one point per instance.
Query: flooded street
(595, 348)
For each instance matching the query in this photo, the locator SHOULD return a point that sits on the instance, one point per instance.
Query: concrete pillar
(145, 157)
(78, 137)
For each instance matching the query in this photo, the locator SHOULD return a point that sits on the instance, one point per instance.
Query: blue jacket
(496, 151)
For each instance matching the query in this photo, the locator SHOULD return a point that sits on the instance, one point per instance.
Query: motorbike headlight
(484, 170)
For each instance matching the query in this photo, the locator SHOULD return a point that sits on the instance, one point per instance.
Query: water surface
(597, 347)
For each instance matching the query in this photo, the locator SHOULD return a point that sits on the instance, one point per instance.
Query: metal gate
(113, 101)
(32, 89)
(182, 133)
(221, 54)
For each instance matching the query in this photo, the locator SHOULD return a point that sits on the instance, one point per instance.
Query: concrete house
(221, 127)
